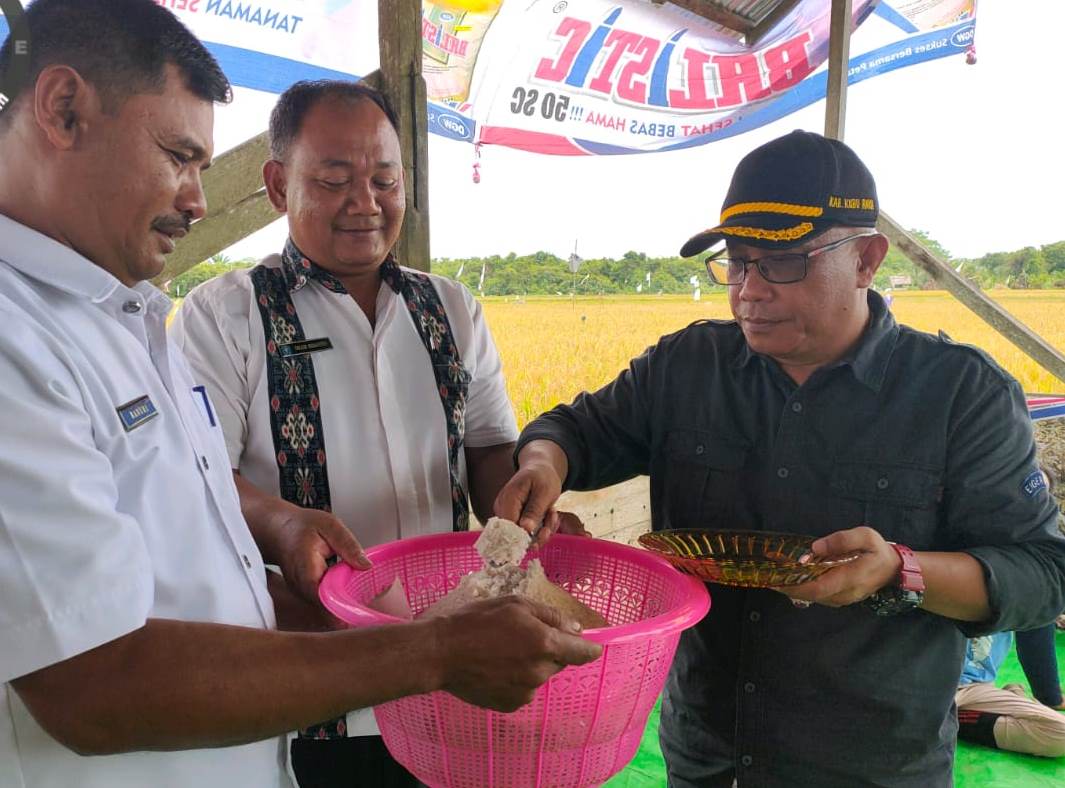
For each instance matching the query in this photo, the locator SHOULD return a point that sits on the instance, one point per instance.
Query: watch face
(894, 600)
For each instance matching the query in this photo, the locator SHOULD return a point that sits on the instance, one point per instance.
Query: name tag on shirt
(304, 346)
(137, 413)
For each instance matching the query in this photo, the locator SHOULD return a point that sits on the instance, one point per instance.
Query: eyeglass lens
(779, 269)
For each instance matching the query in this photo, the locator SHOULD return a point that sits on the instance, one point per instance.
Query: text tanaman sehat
(791, 190)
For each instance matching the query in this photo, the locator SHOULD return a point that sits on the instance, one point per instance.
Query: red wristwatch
(910, 577)
(906, 593)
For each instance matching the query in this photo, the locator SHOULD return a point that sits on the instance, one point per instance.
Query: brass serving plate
(748, 559)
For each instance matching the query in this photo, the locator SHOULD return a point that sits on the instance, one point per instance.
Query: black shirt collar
(868, 360)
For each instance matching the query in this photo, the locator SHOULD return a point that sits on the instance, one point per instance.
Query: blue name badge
(136, 413)
(1033, 483)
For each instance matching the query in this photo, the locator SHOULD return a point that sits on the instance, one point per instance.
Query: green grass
(974, 767)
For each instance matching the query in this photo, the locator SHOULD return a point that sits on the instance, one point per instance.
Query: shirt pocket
(704, 479)
(203, 405)
(900, 501)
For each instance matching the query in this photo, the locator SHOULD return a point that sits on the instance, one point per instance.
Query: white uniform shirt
(102, 527)
(384, 429)
(383, 424)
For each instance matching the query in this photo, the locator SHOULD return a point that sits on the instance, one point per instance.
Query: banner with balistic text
(579, 77)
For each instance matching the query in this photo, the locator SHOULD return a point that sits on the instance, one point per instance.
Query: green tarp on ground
(975, 767)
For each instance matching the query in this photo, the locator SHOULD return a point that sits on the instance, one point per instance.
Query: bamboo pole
(1030, 343)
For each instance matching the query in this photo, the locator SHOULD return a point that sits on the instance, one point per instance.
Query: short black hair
(121, 47)
(294, 104)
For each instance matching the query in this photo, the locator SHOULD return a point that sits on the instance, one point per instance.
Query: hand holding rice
(503, 545)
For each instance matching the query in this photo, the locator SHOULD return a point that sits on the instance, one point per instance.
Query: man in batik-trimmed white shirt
(355, 395)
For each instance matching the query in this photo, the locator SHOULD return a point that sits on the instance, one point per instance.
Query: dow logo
(14, 76)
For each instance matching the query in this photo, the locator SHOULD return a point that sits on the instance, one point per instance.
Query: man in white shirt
(135, 623)
(353, 393)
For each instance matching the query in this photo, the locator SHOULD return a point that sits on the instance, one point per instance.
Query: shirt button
(131, 307)
(882, 483)
(247, 562)
(748, 688)
(700, 449)
(746, 760)
(796, 407)
(755, 616)
(783, 473)
(203, 460)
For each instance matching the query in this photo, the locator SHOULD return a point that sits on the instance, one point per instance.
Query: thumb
(536, 507)
(344, 544)
(852, 540)
(511, 498)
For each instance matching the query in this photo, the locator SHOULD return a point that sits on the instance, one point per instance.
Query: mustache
(173, 225)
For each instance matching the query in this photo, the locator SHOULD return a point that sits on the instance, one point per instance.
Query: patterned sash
(295, 404)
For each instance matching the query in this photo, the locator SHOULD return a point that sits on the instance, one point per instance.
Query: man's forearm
(490, 467)
(546, 452)
(263, 513)
(176, 685)
(954, 586)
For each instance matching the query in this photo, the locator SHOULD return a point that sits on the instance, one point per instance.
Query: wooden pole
(839, 49)
(400, 79)
(1030, 343)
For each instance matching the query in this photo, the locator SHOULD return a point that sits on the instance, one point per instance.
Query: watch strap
(910, 577)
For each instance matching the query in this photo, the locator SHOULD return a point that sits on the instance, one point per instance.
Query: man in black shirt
(814, 412)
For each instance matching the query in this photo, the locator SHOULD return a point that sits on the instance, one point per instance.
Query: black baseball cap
(790, 190)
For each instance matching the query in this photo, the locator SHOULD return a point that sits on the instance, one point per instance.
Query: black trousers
(355, 762)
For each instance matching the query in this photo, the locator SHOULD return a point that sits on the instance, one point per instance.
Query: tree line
(543, 273)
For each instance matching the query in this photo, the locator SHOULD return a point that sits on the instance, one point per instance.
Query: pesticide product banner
(580, 77)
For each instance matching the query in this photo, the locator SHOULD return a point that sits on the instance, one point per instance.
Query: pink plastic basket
(584, 724)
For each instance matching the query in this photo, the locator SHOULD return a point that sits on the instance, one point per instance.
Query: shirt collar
(40, 257)
(300, 269)
(869, 359)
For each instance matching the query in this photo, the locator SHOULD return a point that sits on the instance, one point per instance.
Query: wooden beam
(774, 16)
(1030, 343)
(739, 24)
(219, 231)
(400, 79)
(839, 49)
(236, 174)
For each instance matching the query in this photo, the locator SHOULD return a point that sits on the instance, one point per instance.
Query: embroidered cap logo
(14, 77)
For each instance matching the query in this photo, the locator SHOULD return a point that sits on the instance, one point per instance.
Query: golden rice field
(553, 348)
